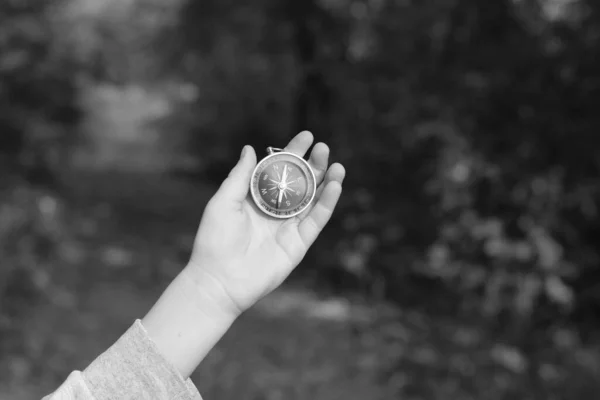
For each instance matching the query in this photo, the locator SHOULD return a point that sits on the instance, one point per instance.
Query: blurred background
(463, 261)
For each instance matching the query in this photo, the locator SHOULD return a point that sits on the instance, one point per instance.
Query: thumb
(235, 188)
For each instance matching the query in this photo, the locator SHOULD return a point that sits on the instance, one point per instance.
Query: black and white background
(462, 263)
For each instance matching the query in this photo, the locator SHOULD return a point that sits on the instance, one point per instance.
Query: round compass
(283, 184)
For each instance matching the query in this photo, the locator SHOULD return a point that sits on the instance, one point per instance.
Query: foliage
(467, 129)
(38, 109)
(35, 243)
(37, 84)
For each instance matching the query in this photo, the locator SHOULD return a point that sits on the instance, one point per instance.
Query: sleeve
(132, 368)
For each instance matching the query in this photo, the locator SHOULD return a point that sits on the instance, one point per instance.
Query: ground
(134, 233)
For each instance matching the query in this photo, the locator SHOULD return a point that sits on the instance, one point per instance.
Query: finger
(311, 226)
(300, 143)
(235, 187)
(335, 173)
(319, 158)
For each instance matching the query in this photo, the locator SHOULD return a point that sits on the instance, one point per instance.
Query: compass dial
(283, 185)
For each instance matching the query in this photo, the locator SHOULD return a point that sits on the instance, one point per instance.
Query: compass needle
(284, 178)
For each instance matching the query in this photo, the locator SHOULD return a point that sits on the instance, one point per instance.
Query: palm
(279, 238)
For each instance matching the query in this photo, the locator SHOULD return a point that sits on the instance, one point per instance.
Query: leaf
(510, 358)
(558, 292)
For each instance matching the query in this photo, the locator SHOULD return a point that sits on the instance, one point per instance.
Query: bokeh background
(463, 261)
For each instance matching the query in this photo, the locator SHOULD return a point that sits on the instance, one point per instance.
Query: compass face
(283, 185)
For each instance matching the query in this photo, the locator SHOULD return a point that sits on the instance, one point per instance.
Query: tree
(38, 114)
(37, 88)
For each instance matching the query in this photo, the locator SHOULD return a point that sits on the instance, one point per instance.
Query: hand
(247, 254)
(240, 255)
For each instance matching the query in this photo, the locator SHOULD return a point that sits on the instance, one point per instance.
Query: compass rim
(253, 187)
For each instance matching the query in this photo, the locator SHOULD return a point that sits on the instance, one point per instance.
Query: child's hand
(246, 254)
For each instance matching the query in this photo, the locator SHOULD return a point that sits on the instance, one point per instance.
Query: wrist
(211, 295)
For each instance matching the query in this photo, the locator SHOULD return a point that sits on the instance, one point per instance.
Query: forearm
(188, 320)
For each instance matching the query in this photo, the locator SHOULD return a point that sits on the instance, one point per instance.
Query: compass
(283, 184)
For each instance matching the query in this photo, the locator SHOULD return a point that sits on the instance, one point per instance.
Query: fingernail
(244, 151)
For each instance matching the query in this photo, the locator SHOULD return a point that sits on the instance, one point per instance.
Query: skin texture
(239, 256)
